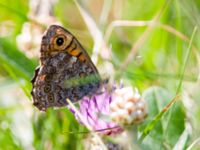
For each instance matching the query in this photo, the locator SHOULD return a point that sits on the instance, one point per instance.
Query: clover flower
(109, 111)
(127, 107)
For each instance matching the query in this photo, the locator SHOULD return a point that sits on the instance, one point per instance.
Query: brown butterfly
(66, 71)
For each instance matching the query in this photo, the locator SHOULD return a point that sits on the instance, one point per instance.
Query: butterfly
(65, 71)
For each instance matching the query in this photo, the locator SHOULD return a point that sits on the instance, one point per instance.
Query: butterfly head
(56, 39)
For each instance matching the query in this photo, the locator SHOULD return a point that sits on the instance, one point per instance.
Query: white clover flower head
(127, 106)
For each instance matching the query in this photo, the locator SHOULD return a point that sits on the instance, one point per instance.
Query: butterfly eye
(60, 41)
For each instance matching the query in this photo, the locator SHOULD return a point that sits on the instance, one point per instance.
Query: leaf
(17, 65)
(159, 101)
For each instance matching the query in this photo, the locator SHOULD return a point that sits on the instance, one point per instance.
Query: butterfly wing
(66, 71)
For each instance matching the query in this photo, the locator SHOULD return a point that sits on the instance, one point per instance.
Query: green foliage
(164, 131)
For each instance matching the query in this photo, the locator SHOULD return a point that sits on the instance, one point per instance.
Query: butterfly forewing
(66, 71)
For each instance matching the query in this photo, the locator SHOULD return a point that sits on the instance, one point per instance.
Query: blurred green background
(151, 45)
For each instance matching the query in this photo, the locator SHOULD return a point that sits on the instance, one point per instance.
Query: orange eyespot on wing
(61, 42)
